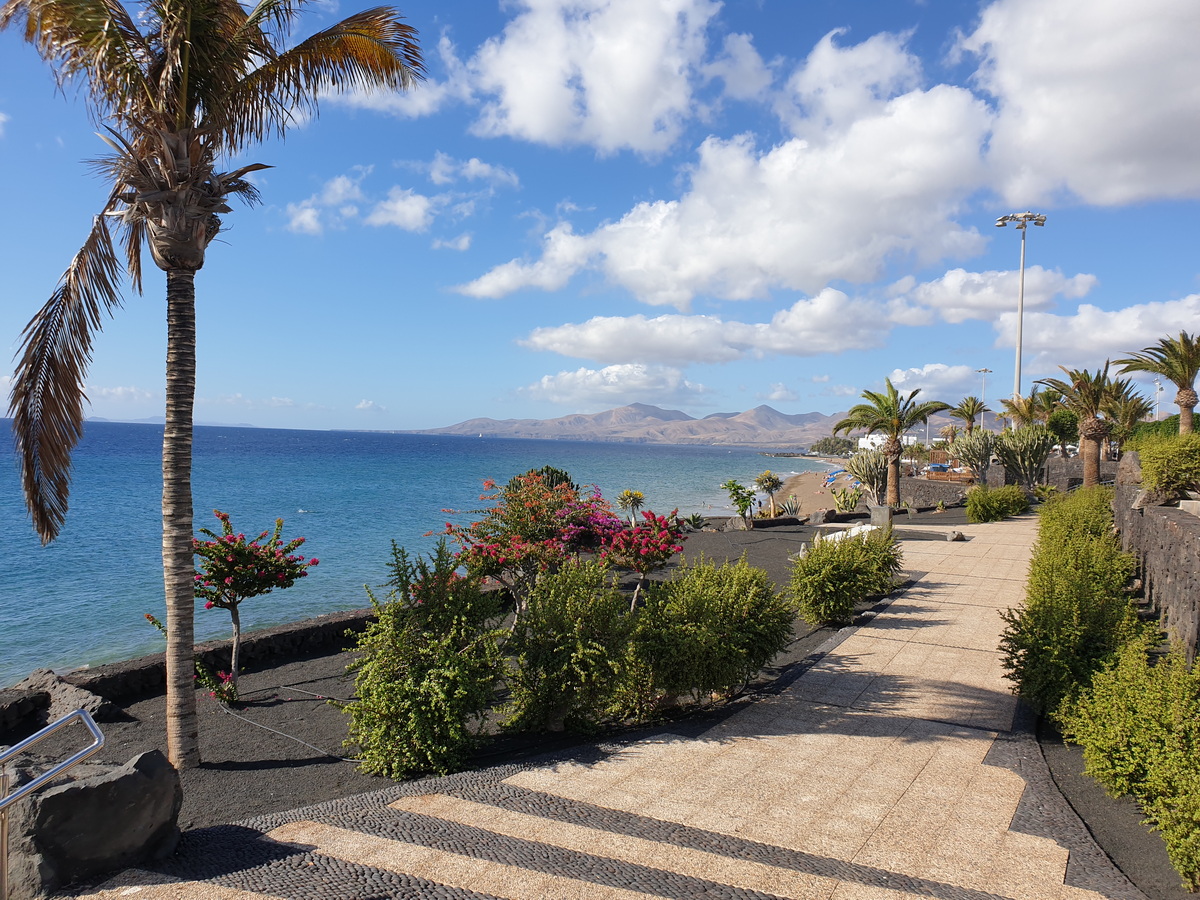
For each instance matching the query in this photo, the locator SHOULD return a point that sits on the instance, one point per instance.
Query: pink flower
(208, 605)
(313, 561)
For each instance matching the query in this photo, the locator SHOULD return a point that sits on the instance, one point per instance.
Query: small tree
(768, 482)
(646, 547)
(833, 446)
(233, 569)
(741, 497)
(629, 502)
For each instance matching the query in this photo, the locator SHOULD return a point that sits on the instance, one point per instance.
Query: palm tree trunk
(1090, 450)
(1186, 415)
(183, 745)
(893, 481)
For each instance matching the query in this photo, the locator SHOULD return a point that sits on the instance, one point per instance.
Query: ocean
(82, 599)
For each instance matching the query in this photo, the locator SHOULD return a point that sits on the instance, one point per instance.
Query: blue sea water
(82, 599)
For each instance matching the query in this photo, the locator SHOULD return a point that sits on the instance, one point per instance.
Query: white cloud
(960, 295)
(331, 206)
(828, 323)
(1102, 98)
(741, 68)
(281, 402)
(835, 204)
(117, 394)
(445, 169)
(370, 406)
(838, 86)
(403, 208)
(1091, 335)
(820, 379)
(460, 243)
(591, 388)
(613, 74)
(935, 380)
(780, 393)
(3, 119)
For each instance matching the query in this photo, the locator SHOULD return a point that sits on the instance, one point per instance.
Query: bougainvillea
(232, 569)
(647, 547)
(532, 527)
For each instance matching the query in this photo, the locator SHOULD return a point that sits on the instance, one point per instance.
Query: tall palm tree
(969, 409)
(949, 433)
(178, 86)
(1087, 394)
(1125, 409)
(1022, 410)
(1178, 361)
(1045, 403)
(891, 415)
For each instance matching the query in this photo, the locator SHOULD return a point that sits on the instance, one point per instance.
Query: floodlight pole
(983, 392)
(1021, 221)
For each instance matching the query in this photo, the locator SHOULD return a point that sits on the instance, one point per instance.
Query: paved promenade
(892, 767)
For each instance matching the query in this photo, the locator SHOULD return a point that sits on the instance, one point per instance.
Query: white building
(876, 441)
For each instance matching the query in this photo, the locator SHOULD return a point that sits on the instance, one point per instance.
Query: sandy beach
(809, 490)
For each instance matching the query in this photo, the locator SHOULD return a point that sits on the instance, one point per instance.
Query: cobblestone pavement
(897, 765)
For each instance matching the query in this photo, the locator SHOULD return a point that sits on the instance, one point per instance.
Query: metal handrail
(7, 799)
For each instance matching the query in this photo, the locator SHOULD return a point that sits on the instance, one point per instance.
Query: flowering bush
(533, 527)
(645, 548)
(233, 569)
(220, 686)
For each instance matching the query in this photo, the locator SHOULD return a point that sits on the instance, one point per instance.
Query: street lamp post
(1158, 389)
(1021, 220)
(983, 392)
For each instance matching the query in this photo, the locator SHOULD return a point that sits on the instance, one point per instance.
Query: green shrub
(1170, 464)
(1139, 726)
(428, 668)
(708, 630)
(986, 504)
(1076, 611)
(569, 650)
(834, 575)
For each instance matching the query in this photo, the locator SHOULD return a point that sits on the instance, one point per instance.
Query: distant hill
(641, 423)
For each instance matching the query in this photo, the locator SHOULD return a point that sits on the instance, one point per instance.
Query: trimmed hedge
(1139, 726)
(986, 504)
(1076, 613)
(1171, 463)
(834, 575)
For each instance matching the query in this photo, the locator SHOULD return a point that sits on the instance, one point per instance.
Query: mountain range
(641, 423)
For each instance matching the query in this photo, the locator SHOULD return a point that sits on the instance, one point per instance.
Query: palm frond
(47, 396)
(95, 39)
(371, 49)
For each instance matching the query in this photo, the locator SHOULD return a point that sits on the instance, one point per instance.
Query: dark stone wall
(921, 494)
(1166, 542)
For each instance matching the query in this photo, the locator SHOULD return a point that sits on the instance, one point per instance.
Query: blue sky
(699, 205)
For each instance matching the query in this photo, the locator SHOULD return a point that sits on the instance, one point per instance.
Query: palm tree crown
(970, 409)
(890, 414)
(1178, 361)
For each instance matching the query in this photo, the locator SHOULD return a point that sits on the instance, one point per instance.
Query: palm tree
(1022, 410)
(1086, 394)
(1178, 361)
(949, 433)
(630, 502)
(891, 415)
(178, 86)
(1125, 408)
(970, 409)
(768, 482)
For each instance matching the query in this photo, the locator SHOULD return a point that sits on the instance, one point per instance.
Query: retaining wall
(1166, 541)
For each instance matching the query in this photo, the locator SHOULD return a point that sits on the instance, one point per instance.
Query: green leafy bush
(428, 668)
(1170, 464)
(834, 575)
(569, 650)
(1139, 726)
(1076, 611)
(708, 630)
(986, 504)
